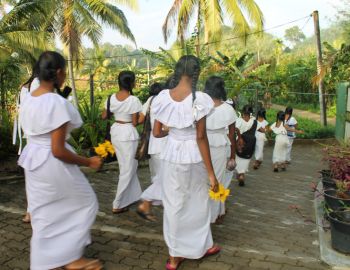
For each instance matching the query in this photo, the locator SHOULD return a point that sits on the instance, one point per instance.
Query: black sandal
(147, 216)
(120, 211)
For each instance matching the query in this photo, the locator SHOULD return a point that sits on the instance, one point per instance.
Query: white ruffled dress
(184, 177)
(125, 140)
(260, 140)
(281, 144)
(154, 192)
(61, 202)
(217, 123)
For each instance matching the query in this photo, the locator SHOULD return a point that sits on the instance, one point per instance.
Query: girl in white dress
(125, 137)
(260, 135)
(153, 194)
(281, 143)
(61, 202)
(186, 165)
(292, 123)
(222, 117)
(246, 127)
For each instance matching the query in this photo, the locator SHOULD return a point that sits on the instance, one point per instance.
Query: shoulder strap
(109, 113)
(149, 106)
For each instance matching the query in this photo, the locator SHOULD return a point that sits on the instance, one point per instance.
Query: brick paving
(261, 231)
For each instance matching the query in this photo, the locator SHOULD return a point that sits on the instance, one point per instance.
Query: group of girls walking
(197, 141)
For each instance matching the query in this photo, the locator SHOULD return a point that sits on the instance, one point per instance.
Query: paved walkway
(306, 114)
(261, 230)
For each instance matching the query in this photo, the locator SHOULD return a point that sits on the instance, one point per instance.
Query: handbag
(142, 148)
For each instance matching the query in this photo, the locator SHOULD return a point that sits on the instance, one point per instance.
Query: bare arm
(203, 145)
(59, 151)
(293, 129)
(232, 137)
(158, 130)
(141, 119)
(104, 115)
(135, 119)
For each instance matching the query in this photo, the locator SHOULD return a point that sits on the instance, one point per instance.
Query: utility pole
(323, 113)
(91, 90)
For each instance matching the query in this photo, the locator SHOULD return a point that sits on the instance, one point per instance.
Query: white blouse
(281, 130)
(218, 120)
(39, 116)
(243, 125)
(181, 118)
(123, 110)
(156, 145)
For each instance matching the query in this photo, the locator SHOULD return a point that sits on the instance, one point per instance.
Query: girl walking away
(260, 135)
(153, 194)
(281, 143)
(222, 117)
(62, 204)
(292, 123)
(124, 136)
(246, 127)
(186, 165)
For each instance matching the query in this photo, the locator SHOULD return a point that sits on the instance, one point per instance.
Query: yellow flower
(101, 151)
(109, 147)
(220, 195)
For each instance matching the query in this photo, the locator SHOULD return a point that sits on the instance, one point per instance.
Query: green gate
(343, 112)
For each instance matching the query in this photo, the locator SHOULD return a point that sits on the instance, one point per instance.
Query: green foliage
(6, 147)
(294, 35)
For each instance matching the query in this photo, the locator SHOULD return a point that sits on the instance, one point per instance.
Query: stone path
(261, 231)
(306, 114)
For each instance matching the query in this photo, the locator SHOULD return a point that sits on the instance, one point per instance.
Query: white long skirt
(259, 147)
(280, 149)
(289, 149)
(219, 160)
(154, 192)
(129, 189)
(186, 224)
(63, 208)
(242, 165)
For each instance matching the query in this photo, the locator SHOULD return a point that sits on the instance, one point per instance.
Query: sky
(146, 24)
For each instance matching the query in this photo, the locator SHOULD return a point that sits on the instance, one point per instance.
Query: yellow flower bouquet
(220, 195)
(105, 150)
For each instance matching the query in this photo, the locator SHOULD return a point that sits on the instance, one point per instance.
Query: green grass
(312, 129)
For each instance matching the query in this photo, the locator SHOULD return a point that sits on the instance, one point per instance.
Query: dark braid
(188, 65)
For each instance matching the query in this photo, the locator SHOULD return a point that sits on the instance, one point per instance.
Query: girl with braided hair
(186, 165)
(62, 204)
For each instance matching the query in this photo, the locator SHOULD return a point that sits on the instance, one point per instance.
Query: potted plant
(340, 229)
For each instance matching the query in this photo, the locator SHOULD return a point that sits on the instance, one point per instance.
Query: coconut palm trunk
(71, 76)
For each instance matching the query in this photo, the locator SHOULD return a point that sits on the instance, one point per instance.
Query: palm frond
(170, 19)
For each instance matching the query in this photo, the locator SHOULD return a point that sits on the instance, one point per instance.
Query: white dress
(154, 192)
(281, 144)
(17, 129)
(62, 204)
(292, 122)
(260, 140)
(217, 122)
(125, 140)
(185, 186)
(243, 163)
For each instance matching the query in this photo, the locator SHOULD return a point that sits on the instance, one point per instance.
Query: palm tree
(71, 20)
(210, 18)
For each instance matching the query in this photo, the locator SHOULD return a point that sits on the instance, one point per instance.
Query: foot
(174, 263)
(146, 215)
(275, 168)
(256, 165)
(120, 210)
(283, 167)
(84, 264)
(212, 251)
(26, 218)
(241, 179)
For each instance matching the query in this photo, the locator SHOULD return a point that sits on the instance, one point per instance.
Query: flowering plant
(220, 195)
(105, 149)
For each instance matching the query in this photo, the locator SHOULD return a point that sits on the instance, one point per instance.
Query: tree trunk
(3, 103)
(71, 76)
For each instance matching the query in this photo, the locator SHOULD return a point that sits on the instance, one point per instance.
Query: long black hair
(280, 116)
(215, 88)
(155, 89)
(261, 113)
(126, 80)
(247, 110)
(188, 65)
(35, 74)
(48, 64)
(289, 111)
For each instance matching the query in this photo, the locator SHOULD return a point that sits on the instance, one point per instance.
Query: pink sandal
(170, 267)
(212, 251)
